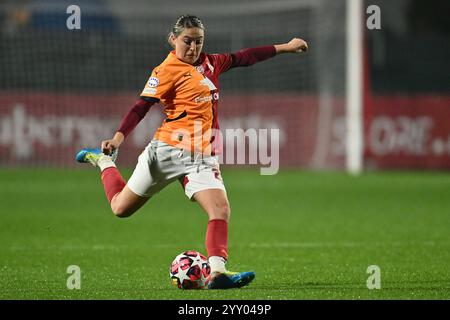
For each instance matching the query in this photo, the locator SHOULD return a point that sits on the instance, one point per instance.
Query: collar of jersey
(199, 61)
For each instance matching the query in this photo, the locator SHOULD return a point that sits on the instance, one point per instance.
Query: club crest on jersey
(200, 69)
(153, 82)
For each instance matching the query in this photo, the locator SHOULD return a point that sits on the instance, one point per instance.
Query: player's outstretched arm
(250, 56)
(296, 45)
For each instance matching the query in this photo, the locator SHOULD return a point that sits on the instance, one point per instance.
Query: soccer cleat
(92, 156)
(230, 280)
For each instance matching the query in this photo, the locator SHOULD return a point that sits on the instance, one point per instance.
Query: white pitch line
(344, 244)
(274, 245)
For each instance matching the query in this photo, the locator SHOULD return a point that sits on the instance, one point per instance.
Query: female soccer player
(184, 147)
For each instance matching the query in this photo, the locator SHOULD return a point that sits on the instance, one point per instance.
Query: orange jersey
(190, 96)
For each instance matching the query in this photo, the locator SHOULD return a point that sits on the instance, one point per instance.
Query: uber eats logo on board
(73, 22)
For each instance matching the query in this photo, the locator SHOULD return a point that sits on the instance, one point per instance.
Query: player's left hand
(296, 45)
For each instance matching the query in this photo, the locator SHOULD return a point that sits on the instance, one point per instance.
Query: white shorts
(160, 164)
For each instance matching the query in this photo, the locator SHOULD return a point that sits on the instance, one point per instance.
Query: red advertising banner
(48, 129)
(408, 133)
(282, 130)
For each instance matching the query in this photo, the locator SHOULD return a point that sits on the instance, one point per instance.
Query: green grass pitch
(306, 235)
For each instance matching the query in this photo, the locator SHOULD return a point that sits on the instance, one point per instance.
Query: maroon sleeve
(135, 115)
(222, 62)
(247, 57)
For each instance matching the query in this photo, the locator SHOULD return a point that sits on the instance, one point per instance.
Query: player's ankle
(217, 264)
(214, 274)
(105, 162)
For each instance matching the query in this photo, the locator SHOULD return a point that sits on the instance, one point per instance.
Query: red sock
(112, 181)
(217, 238)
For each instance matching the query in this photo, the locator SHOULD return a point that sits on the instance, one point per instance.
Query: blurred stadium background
(62, 89)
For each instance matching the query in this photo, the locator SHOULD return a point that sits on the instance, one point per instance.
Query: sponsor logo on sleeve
(149, 91)
(153, 82)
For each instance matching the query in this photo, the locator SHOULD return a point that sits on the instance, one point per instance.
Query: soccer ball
(190, 270)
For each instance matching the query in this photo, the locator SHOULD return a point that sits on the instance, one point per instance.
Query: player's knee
(223, 212)
(227, 212)
(121, 211)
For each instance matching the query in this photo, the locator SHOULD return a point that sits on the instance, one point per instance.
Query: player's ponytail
(183, 22)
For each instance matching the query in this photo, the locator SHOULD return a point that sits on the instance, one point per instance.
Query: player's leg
(207, 188)
(124, 202)
(216, 205)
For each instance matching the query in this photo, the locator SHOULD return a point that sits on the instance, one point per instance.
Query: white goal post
(354, 88)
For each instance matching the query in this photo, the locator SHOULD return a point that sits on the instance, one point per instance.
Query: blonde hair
(183, 22)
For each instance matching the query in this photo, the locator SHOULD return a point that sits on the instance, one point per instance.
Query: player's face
(189, 44)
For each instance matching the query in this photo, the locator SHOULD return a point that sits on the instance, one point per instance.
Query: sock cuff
(106, 171)
(105, 162)
(215, 221)
(217, 263)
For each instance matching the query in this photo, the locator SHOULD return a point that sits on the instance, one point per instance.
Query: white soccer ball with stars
(190, 270)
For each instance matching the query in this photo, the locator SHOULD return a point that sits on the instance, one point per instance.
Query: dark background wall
(411, 53)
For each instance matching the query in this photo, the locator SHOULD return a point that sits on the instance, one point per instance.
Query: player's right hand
(108, 146)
